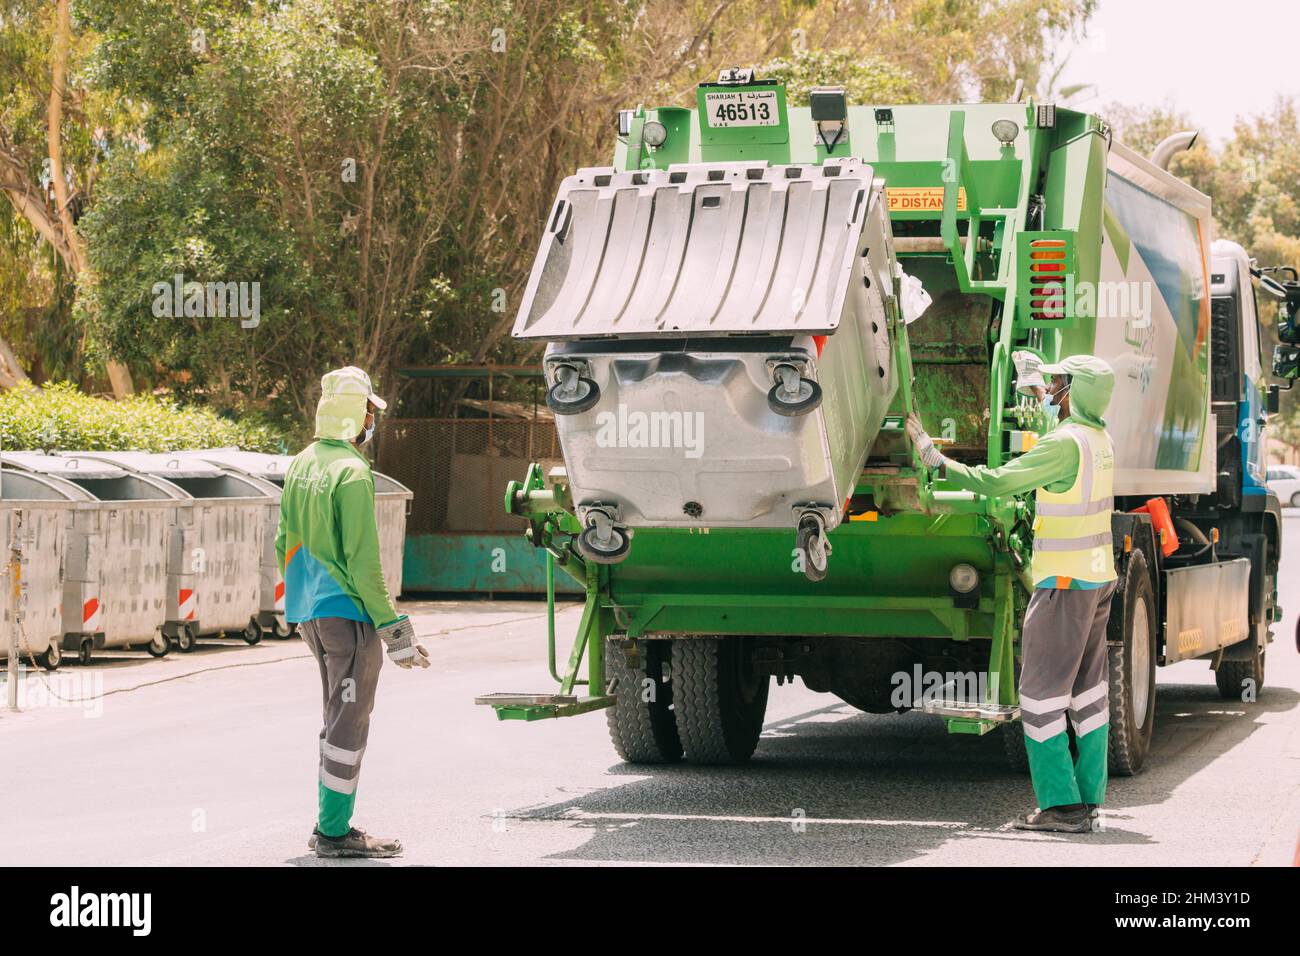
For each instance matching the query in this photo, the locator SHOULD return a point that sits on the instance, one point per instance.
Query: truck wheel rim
(1140, 672)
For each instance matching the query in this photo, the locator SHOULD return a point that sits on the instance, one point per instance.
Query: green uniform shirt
(328, 540)
(1053, 464)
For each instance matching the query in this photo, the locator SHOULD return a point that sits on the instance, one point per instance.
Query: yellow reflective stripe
(1074, 527)
(1072, 544)
(1050, 509)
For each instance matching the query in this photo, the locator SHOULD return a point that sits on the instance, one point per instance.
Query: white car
(1284, 481)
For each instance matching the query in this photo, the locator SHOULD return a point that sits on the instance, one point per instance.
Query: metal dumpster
(719, 345)
(270, 582)
(36, 518)
(215, 551)
(392, 504)
(115, 568)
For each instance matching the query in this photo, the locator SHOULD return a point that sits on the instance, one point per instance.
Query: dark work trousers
(350, 654)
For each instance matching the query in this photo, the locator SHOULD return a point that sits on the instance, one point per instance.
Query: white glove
(1029, 380)
(930, 456)
(403, 649)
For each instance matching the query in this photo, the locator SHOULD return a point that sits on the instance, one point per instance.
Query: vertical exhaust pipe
(1164, 153)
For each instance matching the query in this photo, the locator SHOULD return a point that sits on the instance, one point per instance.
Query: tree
(380, 171)
(50, 212)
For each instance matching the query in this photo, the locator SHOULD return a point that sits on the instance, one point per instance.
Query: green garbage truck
(739, 313)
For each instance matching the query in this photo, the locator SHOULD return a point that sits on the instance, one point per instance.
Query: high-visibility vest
(1072, 540)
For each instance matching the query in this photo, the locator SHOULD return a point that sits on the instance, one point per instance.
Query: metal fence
(459, 467)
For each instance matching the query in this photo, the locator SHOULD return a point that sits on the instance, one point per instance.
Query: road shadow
(829, 789)
(205, 648)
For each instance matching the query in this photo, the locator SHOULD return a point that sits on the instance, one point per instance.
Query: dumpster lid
(257, 463)
(28, 489)
(62, 465)
(161, 464)
(726, 248)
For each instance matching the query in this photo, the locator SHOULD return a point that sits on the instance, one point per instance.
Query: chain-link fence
(459, 467)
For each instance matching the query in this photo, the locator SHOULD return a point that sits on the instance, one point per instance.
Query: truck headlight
(653, 134)
(963, 579)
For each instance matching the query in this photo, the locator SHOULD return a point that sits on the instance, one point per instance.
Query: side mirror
(1288, 318)
(1286, 362)
(1273, 400)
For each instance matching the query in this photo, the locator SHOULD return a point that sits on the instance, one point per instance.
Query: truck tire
(641, 731)
(1013, 743)
(1132, 668)
(1231, 676)
(718, 700)
(1013, 736)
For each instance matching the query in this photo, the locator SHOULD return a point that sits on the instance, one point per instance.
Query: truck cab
(1237, 390)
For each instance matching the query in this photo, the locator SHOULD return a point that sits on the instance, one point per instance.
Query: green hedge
(61, 418)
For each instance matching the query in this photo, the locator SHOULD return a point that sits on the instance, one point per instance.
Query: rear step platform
(998, 713)
(970, 716)
(542, 706)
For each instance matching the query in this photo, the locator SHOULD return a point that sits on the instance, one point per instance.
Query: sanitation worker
(1063, 641)
(328, 548)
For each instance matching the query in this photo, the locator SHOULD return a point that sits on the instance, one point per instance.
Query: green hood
(1091, 383)
(341, 412)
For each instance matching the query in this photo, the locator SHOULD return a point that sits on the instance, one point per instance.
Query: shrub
(61, 418)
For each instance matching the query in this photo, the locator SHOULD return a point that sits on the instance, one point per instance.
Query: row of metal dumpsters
(133, 549)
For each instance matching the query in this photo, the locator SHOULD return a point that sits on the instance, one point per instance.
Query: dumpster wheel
(813, 547)
(718, 698)
(252, 634)
(51, 657)
(84, 650)
(185, 639)
(793, 395)
(572, 393)
(602, 541)
(160, 646)
(642, 731)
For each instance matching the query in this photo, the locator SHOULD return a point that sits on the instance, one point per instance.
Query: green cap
(341, 412)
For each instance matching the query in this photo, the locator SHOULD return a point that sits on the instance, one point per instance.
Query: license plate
(741, 108)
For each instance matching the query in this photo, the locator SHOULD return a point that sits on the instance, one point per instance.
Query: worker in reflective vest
(1063, 641)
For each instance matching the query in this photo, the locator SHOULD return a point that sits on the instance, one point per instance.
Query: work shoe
(1057, 820)
(356, 843)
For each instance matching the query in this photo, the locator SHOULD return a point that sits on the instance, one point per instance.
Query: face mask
(1052, 408)
(366, 435)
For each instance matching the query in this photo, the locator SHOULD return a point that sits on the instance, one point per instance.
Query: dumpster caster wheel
(51, 658)
(814, 550)
(572, 393)
(84, 651)
(253, 633)
(793, 395)
(611, 548)
(185, 640)
(159, 646)
(281, 632)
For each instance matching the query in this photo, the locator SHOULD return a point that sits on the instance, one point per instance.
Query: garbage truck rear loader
(739, 314)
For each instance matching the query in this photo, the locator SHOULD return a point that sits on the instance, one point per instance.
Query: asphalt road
(210, 759)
